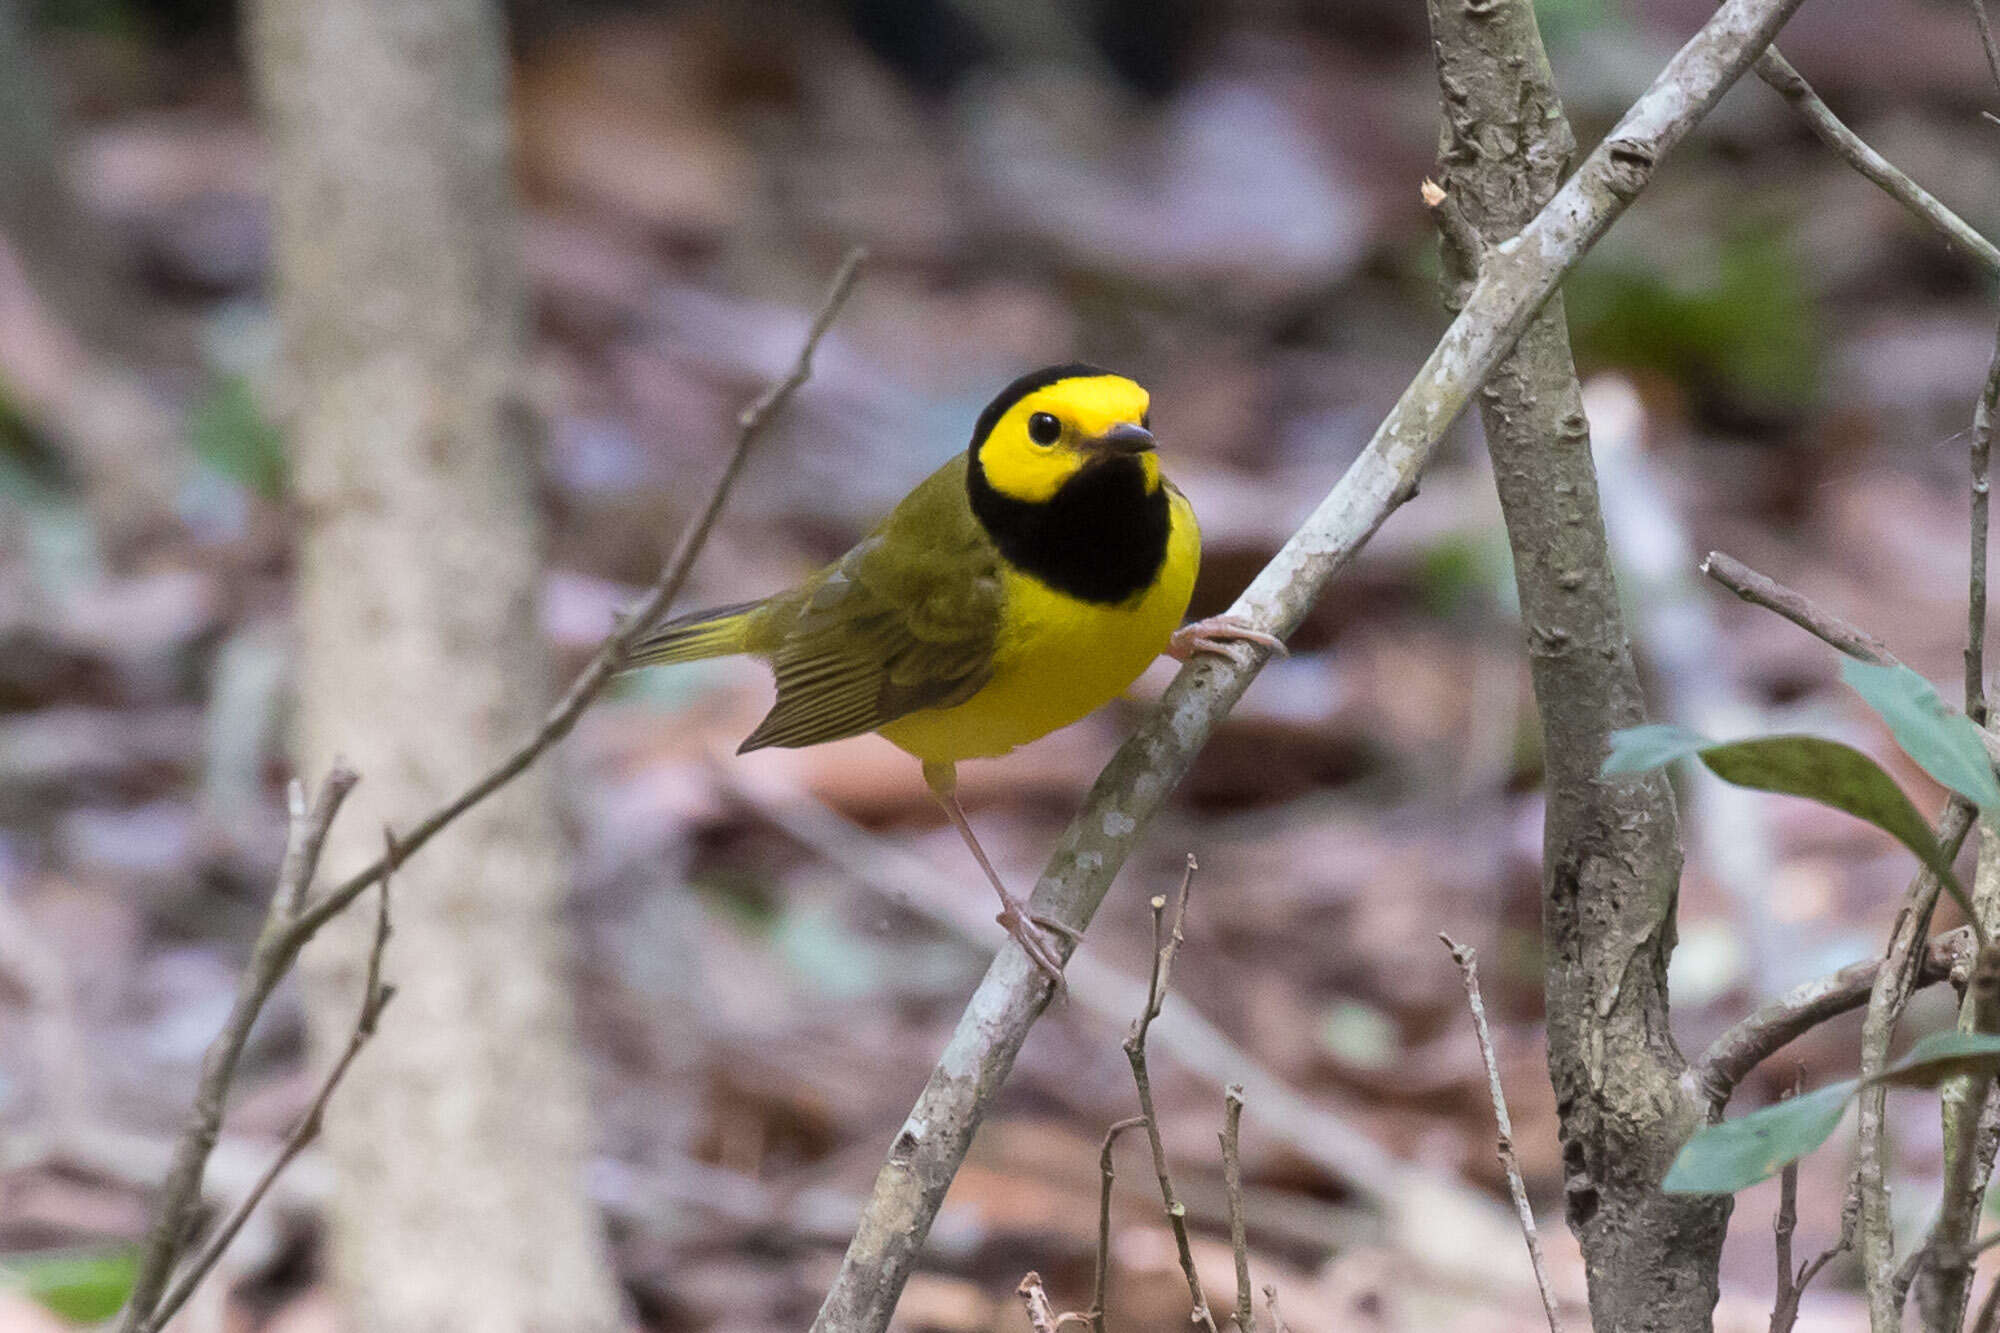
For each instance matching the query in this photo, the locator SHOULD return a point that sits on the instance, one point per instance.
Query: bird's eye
(1044, 428)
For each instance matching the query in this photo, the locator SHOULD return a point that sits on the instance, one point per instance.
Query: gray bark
(1512, 287)
(1611, 849)
(460, 1139)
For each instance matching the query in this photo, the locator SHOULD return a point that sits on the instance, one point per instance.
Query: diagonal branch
(295, 917)
(1756, 1038)
(1765, 591)
(1775, 70)
(1517, 279)
(611, 655)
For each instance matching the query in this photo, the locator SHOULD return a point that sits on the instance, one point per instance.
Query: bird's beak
(1125, 438)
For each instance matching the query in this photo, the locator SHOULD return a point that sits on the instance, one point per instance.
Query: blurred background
(1219, 199)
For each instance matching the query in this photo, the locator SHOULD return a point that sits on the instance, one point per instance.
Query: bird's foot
(1032, 934)
(1220, 635)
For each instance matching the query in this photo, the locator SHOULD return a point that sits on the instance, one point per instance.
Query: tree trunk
(460, 1139)
(1611, 850)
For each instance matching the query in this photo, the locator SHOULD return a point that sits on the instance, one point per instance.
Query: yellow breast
(1059, 658)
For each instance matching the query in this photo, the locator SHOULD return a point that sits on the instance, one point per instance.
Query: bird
(1020, 587)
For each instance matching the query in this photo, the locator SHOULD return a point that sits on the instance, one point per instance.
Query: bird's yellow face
(1038, 442)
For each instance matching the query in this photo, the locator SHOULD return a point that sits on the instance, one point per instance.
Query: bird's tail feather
(717, 632)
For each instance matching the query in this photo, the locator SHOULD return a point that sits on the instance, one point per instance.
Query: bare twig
(375, 997)
(1232, 1183)
(1785, 1310)
(1902, 963)
(1041, 1315)
(1468, 973)
(1167, 940)
(1754, 1039)
(1945, 1260)
(1309, 1127)
(612, 653)
(1516, 281)
(180, 1193)
(295, 917)
(1985, 27)
(1762, 590)
(1278, 1324)
(1775, 70)
(1792, 1283)
(1981, 454)
(1105, 1174)
(1466, 248)
(1765, 591)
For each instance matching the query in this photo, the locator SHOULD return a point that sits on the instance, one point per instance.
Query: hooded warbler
(1023, 585)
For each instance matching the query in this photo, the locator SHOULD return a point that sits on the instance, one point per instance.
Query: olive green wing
(904, 621)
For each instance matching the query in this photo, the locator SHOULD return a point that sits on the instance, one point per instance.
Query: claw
(1219, 635)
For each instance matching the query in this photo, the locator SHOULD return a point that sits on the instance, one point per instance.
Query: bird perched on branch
(1023, 585)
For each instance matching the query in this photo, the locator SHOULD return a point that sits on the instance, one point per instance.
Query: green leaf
(1724, 1158)
(1842, 777)
(228, 431)
(81, 1287)
(1639, 749)
(1940, 1055)
(1944, 742)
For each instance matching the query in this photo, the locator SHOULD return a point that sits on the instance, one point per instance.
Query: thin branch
(1232, 1184)
(1765, 591)
(1468, 973)
(612, 653)
(1762, 590)
(1895, 980)
(1785, 1310)
(1105, 1176)
(1775, 70)
(1981, 458)
(1167, 940)
(180, 1193)
(1513, 286)
(1465, 248)
(1756, 1038)
(1945, 1261)
(1985, 27)
(1792, 1283)
(375, 997)
(1320, 1135)
(295, 918)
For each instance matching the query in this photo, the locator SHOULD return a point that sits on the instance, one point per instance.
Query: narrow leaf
(1842, 777)
(1640, 749)
(1940, 1055)
(1724, 1158)
(1944, 742)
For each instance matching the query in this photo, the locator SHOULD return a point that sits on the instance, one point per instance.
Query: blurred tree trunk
(461, 1139)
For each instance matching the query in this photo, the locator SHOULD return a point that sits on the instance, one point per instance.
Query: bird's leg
(1215, 635)
(1027, 930)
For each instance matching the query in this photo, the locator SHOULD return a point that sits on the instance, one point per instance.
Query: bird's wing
(904, 621)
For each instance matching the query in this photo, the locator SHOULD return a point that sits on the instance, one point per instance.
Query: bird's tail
(718, 632)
